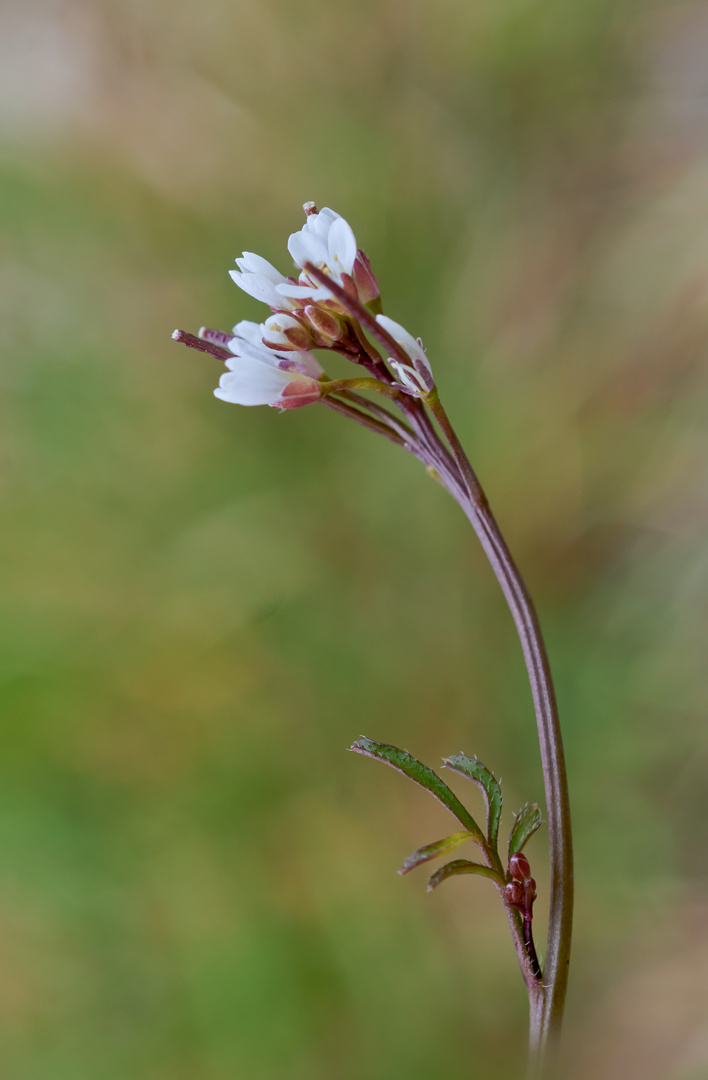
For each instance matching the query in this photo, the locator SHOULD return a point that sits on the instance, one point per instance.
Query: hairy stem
(533, 986)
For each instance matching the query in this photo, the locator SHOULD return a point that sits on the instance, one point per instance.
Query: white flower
(258, 375)
(327, 241)
(259, 279)
(418, 375)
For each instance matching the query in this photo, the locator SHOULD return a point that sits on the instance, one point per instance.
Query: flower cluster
(330, 305)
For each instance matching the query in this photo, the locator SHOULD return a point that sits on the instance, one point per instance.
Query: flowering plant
(335, 305)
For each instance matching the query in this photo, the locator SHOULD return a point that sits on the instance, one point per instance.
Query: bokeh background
(202, 606)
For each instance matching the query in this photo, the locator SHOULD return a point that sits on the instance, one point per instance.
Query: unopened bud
(327, 327)
(349, 285)
(366, 283)
(299, 392)
(282, 331)
(519, 867)
(514, 894)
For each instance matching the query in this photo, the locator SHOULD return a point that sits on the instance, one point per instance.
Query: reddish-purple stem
(201, 346)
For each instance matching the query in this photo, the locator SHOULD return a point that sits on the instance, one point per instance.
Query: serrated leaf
(460, 866)
(480, 775)
(526, 822)
(416, 770)
(434, 851)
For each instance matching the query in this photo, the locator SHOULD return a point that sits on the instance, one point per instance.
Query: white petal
(252, 383)
(400, 335)
(254, 264)
(408, 377)
(342, 246)
(281, 322)
(248, 344)
(258, 286)
(267, 358)
(320, 224)
(303, 292)
(407, 342)
(305, 247)
(248, 331)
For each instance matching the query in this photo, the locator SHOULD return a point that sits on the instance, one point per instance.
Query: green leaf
(433, 851)
(480, 775)
(525, 824)
(416, 770)
(460, 866)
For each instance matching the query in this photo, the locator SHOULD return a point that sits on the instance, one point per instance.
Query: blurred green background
(202, 606)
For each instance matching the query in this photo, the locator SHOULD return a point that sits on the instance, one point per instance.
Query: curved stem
(546, 1020)
(546, 1010)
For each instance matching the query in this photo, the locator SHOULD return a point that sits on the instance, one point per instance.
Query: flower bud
(366, 283)
(299, 392)
(326, 326)
(349, 285)
(282, 331)
(514, 894)
(519, 867)
(529, 888)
